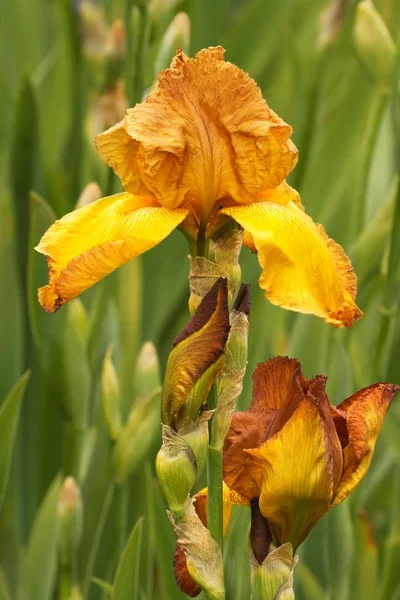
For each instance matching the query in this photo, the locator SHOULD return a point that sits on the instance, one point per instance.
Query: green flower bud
(111, 397)
(70, 513)
(147, 371)
(227, 248)
(137, 437)
(374, 44)
(273, 579)
(176, 471)
(176, 36)
(196, 436)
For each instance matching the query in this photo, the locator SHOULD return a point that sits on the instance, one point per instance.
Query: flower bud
(227, 249)
(374, 44)
(176, 471)
(93, 29)
(147, 375)
(196, 359)
(90, 193)
(274, 577)
(138, 436)
(176, 36)
(111, 397)
(230, 384)
(70, 517)
(196, 437)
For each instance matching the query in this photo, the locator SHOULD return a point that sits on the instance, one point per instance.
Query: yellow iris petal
(295, 472)
(89, 243)
(303, 269)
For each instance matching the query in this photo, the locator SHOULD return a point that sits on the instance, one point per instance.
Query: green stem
(65, 582)
(371, 134)
(214, 482)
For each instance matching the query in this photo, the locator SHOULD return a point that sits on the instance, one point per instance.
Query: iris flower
(203, 149)
(295, 453)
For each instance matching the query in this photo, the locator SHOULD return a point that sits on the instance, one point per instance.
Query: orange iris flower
(203, 148)
(295, 452)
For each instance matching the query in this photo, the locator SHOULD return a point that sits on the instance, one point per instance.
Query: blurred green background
(60, 84)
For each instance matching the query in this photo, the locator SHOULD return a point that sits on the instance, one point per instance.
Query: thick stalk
(214, 482)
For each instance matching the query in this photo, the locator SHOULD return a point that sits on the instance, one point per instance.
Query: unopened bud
(176, 36)
(90, 193)
(111, 396)
(227, 250)
(70, 518)
(93, 29)
(375, 46)
(78, 320)
(196, 436)
(176, 471)
(274, 577)
(138, 436)
(147, 375)
(115, 44)
(230, 384)
(331, 21)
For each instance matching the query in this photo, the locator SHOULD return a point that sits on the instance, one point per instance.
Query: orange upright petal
(364, 412)
(294, 469)
(303, 269)
(205, 134)
(271, 381)
(89, 243)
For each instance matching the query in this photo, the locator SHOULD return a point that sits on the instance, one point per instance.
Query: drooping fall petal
(204, 134)
(302, 269)
(196, 350)
(364, 412)
(89, 243)
(295, 475)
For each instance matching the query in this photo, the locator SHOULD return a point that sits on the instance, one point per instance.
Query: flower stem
(214, 482)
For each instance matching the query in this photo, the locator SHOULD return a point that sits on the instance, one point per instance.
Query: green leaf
(41, 561)
(165, 544)
(310, 586)
(23, 154)
(41, 217)
(107, 587)
(339, 544)
(9, 415)
(364, 585)
(126, 583)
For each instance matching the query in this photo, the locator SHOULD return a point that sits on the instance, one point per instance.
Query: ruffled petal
(203, 135)
(302, 269)
(271, 381)
(294, 468)
(89, 243)
(364, 412)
